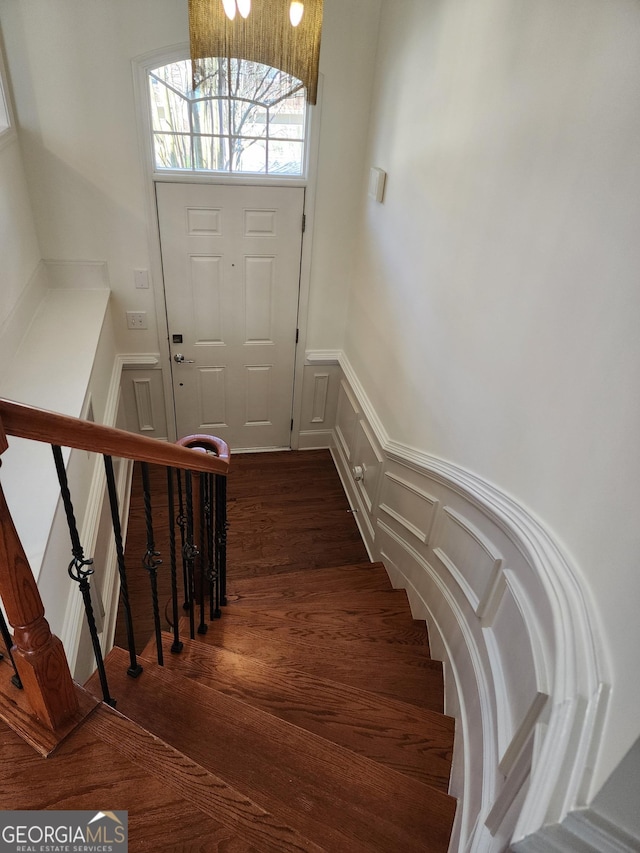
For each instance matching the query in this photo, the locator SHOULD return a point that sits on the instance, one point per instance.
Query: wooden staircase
(308, 718)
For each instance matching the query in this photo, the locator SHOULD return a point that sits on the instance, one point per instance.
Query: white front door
(231, 263)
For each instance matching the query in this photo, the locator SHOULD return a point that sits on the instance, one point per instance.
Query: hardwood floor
(308, 718)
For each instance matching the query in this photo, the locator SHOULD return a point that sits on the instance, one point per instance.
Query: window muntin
(242, 117)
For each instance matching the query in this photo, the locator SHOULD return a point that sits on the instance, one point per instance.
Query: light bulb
(229, 8)
(244, 7)
(296, 11)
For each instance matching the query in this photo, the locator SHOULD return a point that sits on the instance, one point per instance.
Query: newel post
(38, 654)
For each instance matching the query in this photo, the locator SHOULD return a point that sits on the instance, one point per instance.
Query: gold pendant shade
(265, 35)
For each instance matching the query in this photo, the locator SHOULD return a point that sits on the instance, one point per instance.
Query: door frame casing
(140, 68)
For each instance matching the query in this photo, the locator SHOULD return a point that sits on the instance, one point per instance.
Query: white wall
(495, 310)
(19, 248)
(70, 68)
(18, 242)
(349, 41)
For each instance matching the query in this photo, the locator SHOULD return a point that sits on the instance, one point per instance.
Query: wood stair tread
(413, 741)
(406, 673)
(325, 792)
(366, 624)
(96, 766)
(272, 562)
(354, 637)
(203, 790)
(360, 576)
(310, 599)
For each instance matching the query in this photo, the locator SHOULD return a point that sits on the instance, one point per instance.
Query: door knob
(180, 359)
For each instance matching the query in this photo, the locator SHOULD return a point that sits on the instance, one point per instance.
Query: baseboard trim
(605, 837)
(315, 439)
(584, 830)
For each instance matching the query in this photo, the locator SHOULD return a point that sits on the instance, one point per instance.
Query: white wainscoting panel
(468, 555)
(359, 461)
(320, 394)
(504, 614)
(143, 395)
(346, 420)
(321, 383)
(408, 505)
(367, 460)
(144, 404)
(514, 673)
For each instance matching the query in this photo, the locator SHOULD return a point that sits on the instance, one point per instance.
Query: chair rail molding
(507, 613)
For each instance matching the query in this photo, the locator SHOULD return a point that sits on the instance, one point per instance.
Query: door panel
(231, 261)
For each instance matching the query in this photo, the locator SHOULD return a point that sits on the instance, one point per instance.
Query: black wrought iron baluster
(150, 561)
(177, 646)
(181, 521)
(202, 627)
(208, 521)
(80, 570)
(212, 563)
(221, 534)
(8, 642)
(134, 669)
(190, 551)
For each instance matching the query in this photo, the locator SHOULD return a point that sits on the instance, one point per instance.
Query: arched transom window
(241, 117)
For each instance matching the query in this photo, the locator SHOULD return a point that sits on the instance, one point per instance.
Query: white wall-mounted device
(377, 179)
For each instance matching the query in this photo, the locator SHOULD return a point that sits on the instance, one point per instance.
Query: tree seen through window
(241, 117)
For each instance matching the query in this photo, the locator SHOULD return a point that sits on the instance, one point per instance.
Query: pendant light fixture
(229, 8)
(296, 11)
(259, 32)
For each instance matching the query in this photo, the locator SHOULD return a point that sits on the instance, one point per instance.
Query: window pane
(285, 122)
(211, 77)
(285, 158)
(211, 153)
(257, 82)
(172, 151)
(224, 123)
(250, 155)
(176, 76)
(169, 111)
(211, 116)
(248, 119)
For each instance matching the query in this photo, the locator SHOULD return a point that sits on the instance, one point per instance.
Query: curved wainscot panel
(504, 615)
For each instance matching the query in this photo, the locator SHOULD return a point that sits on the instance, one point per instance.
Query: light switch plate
(377, 180)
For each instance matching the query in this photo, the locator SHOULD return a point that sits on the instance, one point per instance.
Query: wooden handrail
(40, 425)
(38, 654)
